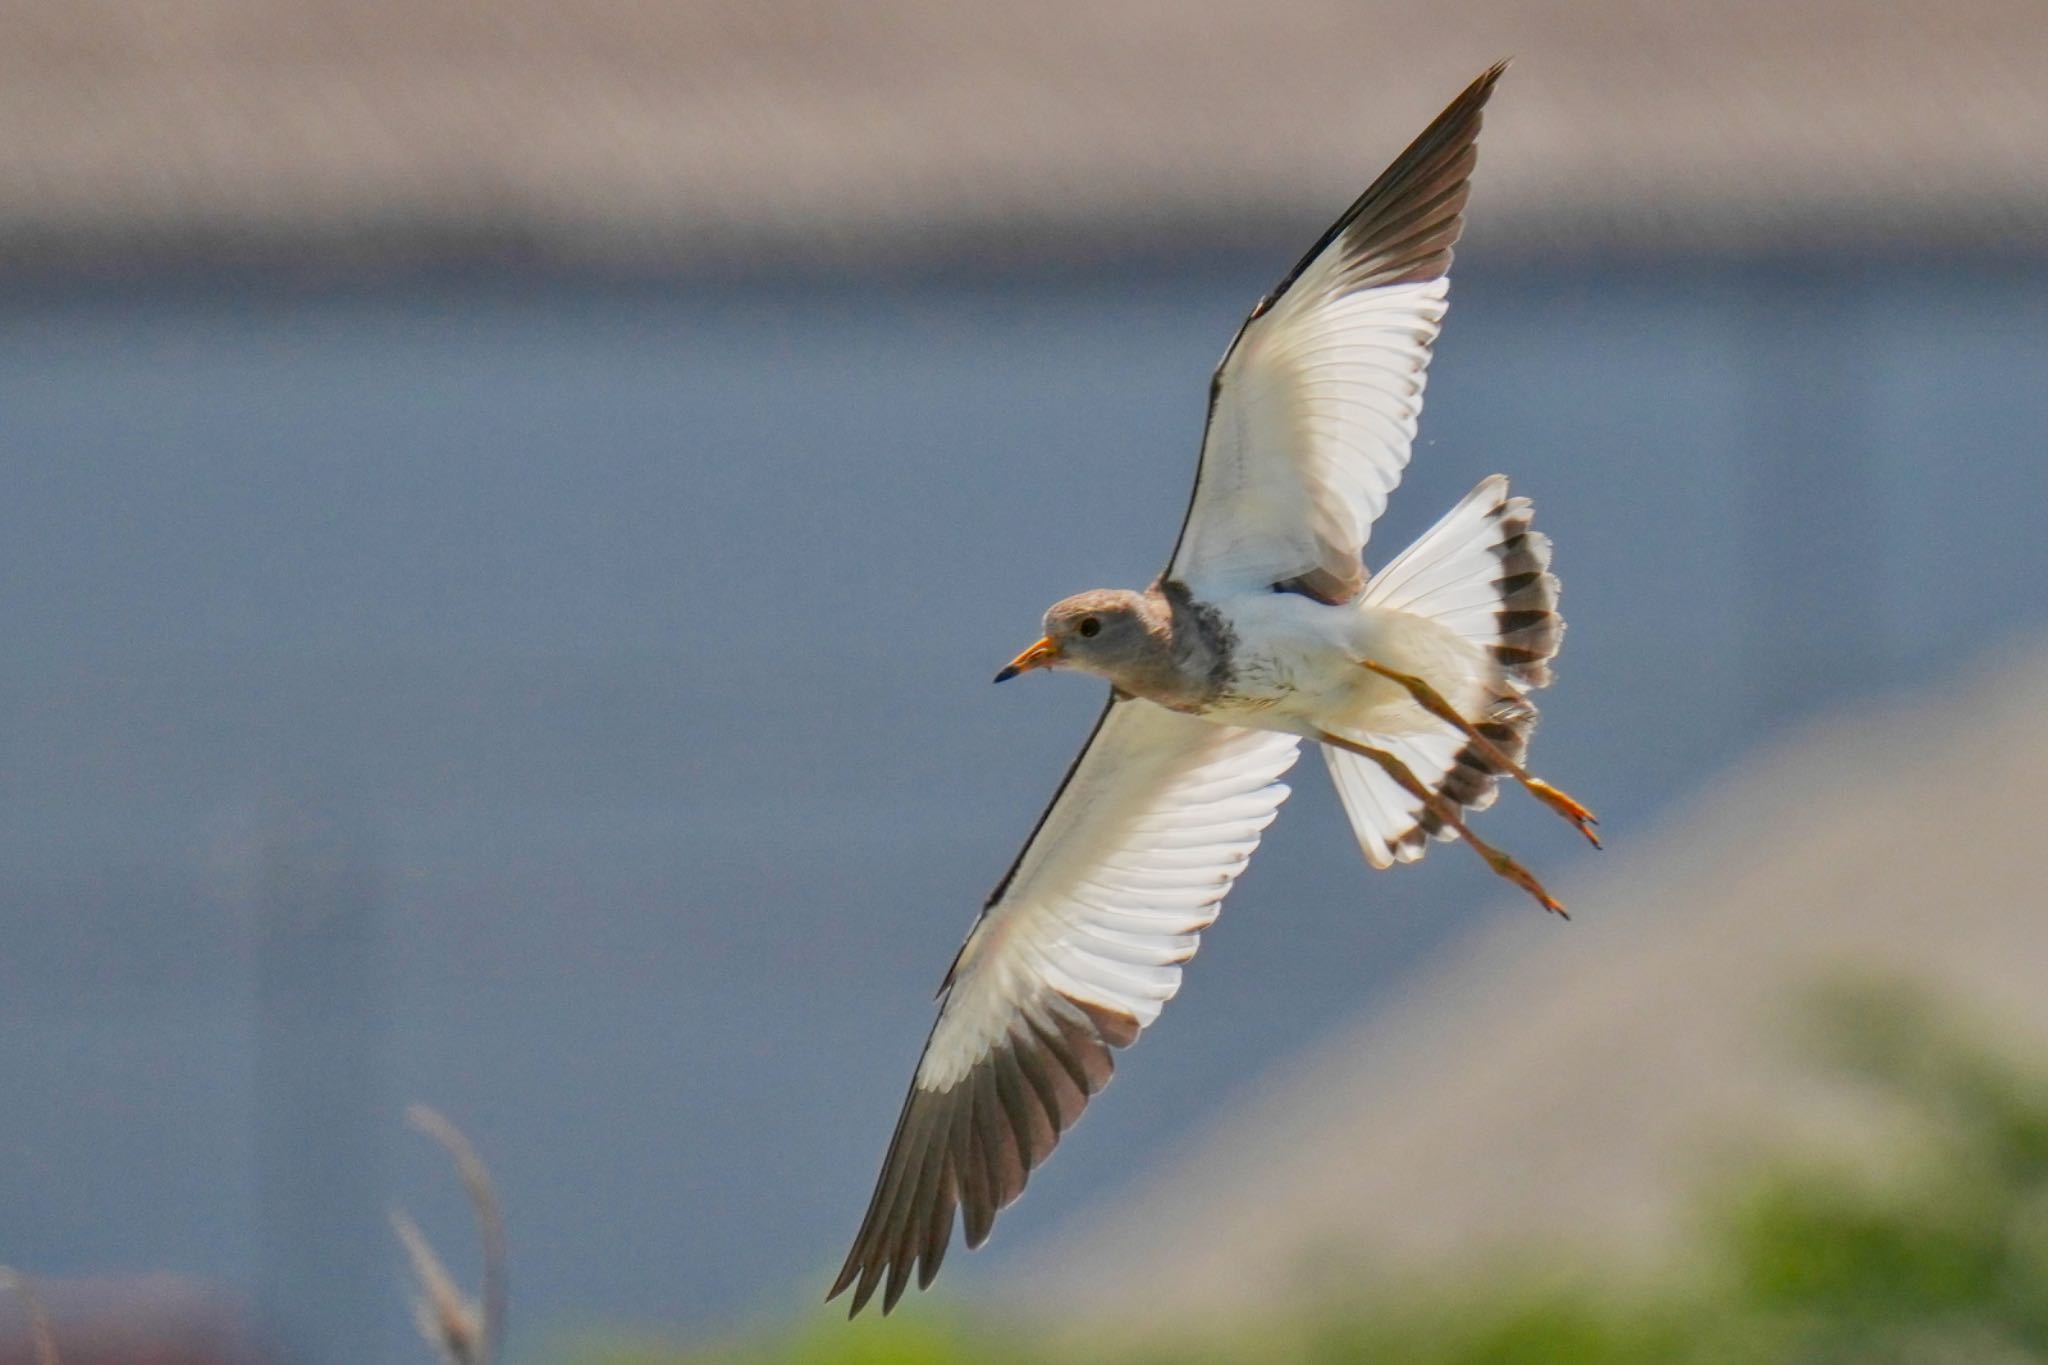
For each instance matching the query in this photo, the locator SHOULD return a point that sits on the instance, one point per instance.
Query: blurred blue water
(644, 639)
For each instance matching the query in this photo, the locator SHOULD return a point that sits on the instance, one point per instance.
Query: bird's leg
(1432, 701)
(1446, 810)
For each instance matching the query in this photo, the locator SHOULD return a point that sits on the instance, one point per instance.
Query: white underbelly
(1298, 666)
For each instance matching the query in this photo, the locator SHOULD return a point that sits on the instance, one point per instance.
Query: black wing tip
(1448, 134)
(1475, 95)
(1428, 166)
(1456, 125)
(967, 1152)
(1424, 189)
(840, 1286)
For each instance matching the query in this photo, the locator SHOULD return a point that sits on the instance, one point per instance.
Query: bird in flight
(1264, 630)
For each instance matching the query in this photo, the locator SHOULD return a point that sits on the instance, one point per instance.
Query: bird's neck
(1188, 670)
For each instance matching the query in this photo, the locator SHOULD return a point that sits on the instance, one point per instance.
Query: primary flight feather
(1264, 630)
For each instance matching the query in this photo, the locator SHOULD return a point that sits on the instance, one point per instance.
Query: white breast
(1291, 655)
(1296, 664)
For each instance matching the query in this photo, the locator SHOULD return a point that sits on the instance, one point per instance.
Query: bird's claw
(1507, 867)
(1571, 809)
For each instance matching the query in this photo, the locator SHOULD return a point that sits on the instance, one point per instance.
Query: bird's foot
(1566, 805)
(1432, 701)
(1447, 811)
(1507, 867)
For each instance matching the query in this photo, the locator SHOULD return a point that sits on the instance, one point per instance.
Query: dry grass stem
(465, 1332)
(446, 1318)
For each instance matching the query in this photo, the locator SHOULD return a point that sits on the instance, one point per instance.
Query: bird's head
(1108, 632)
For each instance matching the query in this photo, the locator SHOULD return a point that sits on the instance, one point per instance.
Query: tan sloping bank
(1560, 1086)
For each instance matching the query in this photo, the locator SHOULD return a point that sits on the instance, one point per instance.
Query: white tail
(1483, 574)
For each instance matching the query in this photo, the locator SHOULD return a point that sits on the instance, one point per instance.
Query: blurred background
(510, 512)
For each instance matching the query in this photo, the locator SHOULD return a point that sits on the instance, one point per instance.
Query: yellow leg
(1432, 701)
(1447, 811)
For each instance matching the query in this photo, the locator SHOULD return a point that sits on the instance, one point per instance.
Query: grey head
(1126, 637)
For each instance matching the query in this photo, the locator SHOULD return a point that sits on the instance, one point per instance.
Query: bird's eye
(1089, 627)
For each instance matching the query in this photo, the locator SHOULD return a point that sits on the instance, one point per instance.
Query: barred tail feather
(1484, 575)
(1391, 825)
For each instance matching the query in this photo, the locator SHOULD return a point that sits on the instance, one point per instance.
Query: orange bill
(1040, 655)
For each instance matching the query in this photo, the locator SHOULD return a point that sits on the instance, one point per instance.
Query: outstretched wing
(1313, 410)
(1079, 946)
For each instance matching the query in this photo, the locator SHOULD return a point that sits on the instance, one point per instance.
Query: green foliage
(1948, 1259)
(930, 1338)
(1941, 1258)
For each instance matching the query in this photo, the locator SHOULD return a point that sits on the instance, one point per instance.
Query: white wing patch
(1315, 416)
(1130, 866)
(1080, 946)
(1312, 413)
